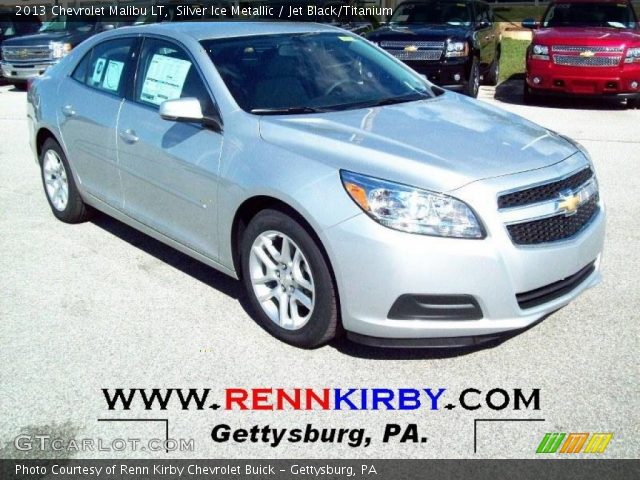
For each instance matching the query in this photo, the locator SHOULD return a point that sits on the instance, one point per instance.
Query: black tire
(322, 324)
(528, 97)
(473, 85)
(633, 103)
(75, 210)
(493, 75)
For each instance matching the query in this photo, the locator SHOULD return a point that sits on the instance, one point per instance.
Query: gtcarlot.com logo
(43, 442)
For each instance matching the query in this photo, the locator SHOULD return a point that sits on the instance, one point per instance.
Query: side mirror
(483, 24)
(188, 110)
(530, 23)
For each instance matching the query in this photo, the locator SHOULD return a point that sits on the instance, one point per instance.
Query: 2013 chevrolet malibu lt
(344, 190)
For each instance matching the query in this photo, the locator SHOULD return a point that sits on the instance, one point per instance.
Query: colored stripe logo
(574, 443)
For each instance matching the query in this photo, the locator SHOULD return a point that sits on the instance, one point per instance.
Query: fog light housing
(537, 80)
(634, 85)
(457, 77)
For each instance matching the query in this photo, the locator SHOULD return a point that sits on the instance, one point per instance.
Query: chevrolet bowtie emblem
(410, 48)
(587, 54)
(23, 53)
(569, 203)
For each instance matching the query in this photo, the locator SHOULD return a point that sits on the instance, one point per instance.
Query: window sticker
(165, 79)
(112, 76)
(97, 71)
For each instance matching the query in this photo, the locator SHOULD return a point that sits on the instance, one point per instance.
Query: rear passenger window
(166, 73)
(80, 73)
(106, 69)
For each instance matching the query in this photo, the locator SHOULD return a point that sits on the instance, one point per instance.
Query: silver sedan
(345, 191)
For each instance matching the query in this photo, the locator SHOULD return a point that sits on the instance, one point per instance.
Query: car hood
(42, 39)
(586, 36)
(417, 32)
(440, 144)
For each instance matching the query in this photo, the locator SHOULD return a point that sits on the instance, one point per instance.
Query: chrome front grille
(419, 55)
(396, 44)
(578, 61)
(581, 49)
(27, 53)
(404, 50)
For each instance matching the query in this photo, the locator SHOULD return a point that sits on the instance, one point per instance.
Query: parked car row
(581, 47)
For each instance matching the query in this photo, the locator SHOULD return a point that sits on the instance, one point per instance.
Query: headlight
(457, 49)
(633, 55)
(411, 209)
(59, 50)
(540, 52)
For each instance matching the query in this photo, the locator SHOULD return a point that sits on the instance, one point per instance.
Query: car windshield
(310, 72)
(612, 15)
(69, 24)
(435, 12)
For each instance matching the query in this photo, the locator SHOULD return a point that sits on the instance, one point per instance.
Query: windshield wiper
(286, 111)
(393, 100)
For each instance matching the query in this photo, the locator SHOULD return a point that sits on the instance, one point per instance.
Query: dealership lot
(99, 305)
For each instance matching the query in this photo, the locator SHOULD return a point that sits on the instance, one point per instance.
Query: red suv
(585, 47)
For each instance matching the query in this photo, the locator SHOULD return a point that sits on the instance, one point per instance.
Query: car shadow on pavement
(510, 91)
(166, 254)
(234, 289)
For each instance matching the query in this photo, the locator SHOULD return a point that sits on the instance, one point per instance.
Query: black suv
(454, 43)
(13, 26)
(29, 56)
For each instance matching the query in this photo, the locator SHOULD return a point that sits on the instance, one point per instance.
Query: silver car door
(88, 111)
(170, 169)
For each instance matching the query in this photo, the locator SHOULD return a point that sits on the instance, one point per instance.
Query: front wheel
(528, 97)
(493, 76)
(473, 85)
(288, 280)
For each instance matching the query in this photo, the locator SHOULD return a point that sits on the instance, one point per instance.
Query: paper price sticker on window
(112, 76)
(165, 79)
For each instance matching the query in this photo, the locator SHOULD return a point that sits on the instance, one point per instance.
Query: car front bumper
(452, 74)
(375, 266)
(23, 72)
(585, 81)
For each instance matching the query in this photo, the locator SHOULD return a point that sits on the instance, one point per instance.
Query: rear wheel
(473, 85)
(288, 280)
(59, 186)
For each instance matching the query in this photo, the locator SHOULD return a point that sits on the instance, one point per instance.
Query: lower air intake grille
(554, 290)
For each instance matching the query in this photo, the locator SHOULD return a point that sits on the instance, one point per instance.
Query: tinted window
(106, 70)
(434, 12)
(613, 15)
(166, 73)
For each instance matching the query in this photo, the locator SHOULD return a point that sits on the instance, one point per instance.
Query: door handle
(129, 136)
(68, 111)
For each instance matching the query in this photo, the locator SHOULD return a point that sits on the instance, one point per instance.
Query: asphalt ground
(99, 305)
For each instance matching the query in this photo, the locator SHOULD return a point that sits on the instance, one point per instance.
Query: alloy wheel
(55, 180)
(282, 280)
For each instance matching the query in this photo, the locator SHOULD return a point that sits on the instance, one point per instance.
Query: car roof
(213, 30)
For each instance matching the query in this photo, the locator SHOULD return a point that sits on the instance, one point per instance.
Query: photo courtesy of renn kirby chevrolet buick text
(348, 193)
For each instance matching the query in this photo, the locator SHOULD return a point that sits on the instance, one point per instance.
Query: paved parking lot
(99, 305)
